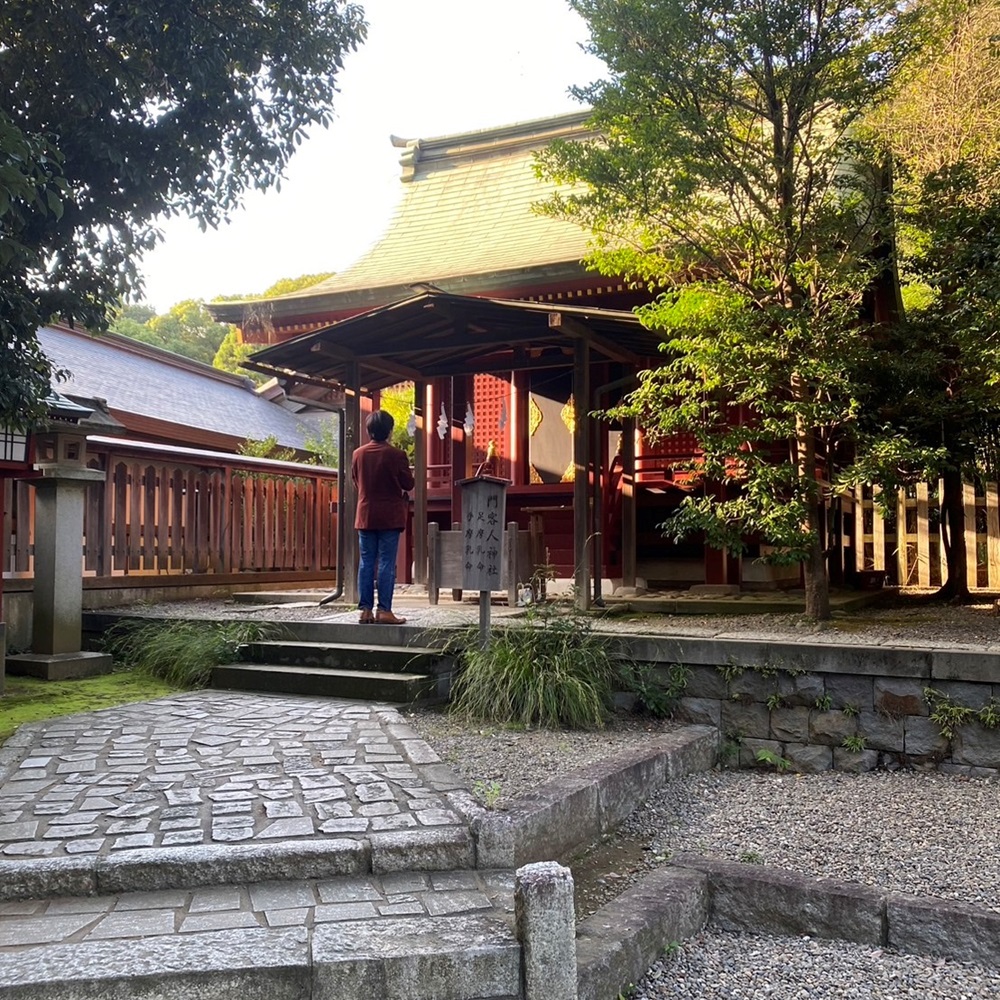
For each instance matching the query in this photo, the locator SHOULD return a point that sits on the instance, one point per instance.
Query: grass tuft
(180, 652)
(552, 670)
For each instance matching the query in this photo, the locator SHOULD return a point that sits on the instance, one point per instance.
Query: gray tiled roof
(137, 379)
(466, 210)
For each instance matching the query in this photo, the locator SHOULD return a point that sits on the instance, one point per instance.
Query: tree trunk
(956, 584)
(817, 585)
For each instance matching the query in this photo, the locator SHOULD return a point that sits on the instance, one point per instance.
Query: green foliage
(772, 759)
(856, 743)
(187, 329)
(727, 175)
(989, 714)
(181, 652)
(551, 670)
(398, 400)
(267, 448)
(283, 286)
(751, 858)
(775, 700)
(488, 792)
(946, 713)
(823, 703)
(232, 353)
(117, 114)
(851, 710)
(651, 695)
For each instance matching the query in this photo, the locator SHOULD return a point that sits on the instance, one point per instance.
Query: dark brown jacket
(382, 476)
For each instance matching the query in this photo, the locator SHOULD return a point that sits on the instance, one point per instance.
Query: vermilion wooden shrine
(485, 306)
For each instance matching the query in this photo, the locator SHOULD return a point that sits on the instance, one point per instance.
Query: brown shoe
(388, 618)
(366, 617)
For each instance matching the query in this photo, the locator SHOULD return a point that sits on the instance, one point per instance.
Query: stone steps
(385, 671)
(362, 685)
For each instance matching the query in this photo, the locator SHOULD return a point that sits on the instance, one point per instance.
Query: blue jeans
(377, 566)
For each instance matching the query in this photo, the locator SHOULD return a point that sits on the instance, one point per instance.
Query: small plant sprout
(823, 703)
(946, 713)
(774, 701)
(855, 743)
(488, 792)
(989, 714)
(772, 759)
(851, 710)
(751, 858)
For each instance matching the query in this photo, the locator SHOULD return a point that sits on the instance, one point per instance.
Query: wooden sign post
(484, 504)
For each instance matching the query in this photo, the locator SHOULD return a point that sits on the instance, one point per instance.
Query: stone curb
(570, 813)
(616, 945)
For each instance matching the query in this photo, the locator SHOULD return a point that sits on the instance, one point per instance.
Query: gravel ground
(721, 966)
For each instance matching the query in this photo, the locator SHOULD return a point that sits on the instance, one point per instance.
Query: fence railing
(174, 512)
(906, 543)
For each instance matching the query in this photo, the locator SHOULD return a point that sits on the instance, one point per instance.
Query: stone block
(705, 682)
(854, 762)
(694, 749)
(753, 899)
(964, 665)
(800, 690)
(790, 724)
(253, 964)
(749, 721)
(171, 867)
(849, 689)
(59, 666)
(942, 927)
(964, 693)
(616, 945)
(752, 685)
(41, 877)
(448, 958)
(809, 759)
(881, 732)
(545, 918)
(922, 738)
(831, 728)
(897, 697)
(623, 783)
(834, 658)
(545, 825)
(440, 849)
(976, 746)
(700, 711)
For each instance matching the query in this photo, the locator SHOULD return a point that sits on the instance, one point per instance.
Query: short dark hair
(380, 424)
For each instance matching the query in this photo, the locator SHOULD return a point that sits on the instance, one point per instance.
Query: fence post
(545, 918)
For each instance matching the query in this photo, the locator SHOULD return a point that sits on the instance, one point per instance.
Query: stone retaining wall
(840, 706)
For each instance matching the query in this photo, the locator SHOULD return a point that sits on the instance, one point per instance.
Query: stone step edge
(151, 869)
(455, 957)
(402, 677)
(617, 944)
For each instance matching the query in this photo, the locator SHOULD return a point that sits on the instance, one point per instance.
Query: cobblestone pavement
(218, 768)
(305, 903)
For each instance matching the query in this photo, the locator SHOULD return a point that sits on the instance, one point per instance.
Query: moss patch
(28, 699)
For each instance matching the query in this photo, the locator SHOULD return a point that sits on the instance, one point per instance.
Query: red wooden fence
(175, 512)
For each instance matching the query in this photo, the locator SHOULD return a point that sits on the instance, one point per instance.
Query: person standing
(382, 478)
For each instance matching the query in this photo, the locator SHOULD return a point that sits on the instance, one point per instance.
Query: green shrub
(180, 651)
(551, 670)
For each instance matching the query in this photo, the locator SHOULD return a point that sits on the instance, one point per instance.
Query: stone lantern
(61, 460)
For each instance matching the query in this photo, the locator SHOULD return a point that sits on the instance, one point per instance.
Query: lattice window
(492, 409)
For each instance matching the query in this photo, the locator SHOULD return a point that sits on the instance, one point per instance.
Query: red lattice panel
(491, 398)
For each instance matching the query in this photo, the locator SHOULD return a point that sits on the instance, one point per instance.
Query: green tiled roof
(466, 212)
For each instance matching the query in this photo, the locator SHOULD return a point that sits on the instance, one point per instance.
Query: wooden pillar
(520, 434)
(581, 472)
(420, 475)
(459, 452)
(629, 533)
(352, 440)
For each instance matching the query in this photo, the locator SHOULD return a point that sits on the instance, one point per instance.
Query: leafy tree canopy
(727, 174)
(116, 114)
(187, 329)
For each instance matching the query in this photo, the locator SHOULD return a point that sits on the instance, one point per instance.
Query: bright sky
(428, 68)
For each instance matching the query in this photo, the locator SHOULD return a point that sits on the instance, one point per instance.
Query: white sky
(428, 68)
